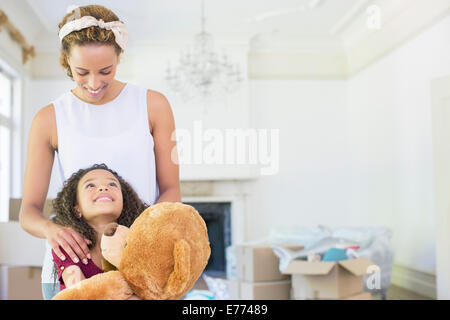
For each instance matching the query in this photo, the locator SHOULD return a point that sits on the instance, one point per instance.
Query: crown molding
(360, 46)
(347, 19)
(407, 24)
(296, 66)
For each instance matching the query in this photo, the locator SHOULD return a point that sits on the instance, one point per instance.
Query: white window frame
(14, 124)
(7, 122)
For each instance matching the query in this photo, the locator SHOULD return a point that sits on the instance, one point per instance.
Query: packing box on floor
(327, 280)
(14, 208)
(255, 263)
(20, 283)
(266, 290)
(358, 296)
(19, 248)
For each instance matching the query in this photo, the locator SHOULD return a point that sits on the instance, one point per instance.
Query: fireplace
(217, 216)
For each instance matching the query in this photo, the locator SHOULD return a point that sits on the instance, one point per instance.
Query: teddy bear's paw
(104, 286)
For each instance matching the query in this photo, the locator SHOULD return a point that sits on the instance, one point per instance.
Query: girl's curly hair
(66, 199)
(89, 35)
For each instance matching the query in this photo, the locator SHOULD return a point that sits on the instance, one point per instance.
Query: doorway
(440, 95)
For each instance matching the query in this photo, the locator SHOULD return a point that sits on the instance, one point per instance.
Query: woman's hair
(65, 201)
(88, 35)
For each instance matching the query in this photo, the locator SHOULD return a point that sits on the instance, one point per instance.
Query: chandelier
(201, 72)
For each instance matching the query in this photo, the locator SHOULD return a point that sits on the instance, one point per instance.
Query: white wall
(389, 117)
(312, 184)
(356, 152)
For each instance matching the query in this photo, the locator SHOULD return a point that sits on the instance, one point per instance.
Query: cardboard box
(256, 263)
(19, 248)
(14, 208)
(266, 290)
(358, 296)
(327, 280)
(20, 283)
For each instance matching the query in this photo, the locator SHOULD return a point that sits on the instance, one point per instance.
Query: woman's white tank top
(116, 133)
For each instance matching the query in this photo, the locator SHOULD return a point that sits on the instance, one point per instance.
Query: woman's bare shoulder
(45, 113)
(158, 107)
(45, 124)
(156, 99)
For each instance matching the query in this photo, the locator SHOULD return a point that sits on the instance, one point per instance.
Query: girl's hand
(71, 241)
(72, 275)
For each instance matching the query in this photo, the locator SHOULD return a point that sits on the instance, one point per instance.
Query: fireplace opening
(218, 222)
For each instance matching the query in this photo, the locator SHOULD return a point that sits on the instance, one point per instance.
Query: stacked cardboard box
(14, 208)
(342, 280)
(21, 256)
(258, 275)
(20, 283)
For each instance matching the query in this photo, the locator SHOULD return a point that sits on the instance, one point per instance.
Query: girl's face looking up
(93, 69)
(99, 196)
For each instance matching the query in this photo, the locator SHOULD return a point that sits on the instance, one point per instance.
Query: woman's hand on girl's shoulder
(71, 241)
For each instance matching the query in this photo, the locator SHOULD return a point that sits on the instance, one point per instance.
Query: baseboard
(422, 283)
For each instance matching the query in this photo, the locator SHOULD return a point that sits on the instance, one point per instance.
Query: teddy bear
(160, 257)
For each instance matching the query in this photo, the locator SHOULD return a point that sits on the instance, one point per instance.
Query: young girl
(91, 199)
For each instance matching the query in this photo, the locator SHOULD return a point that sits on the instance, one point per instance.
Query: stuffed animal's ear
(181, 269)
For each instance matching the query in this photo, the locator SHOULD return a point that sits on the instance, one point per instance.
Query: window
(6, 132)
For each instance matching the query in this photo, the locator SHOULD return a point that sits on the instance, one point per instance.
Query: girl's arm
(40, 156)
(162, 125)
(69, 273)
(72, 275)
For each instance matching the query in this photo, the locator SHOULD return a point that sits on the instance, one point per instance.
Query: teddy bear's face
(113, 242)
(167, 250)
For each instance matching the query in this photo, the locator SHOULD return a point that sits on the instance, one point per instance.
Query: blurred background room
(318, 113)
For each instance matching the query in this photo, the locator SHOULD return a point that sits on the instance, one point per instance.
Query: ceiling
(293, 22)
(281, 38)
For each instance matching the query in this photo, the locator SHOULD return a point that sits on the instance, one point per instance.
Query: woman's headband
(117, 27)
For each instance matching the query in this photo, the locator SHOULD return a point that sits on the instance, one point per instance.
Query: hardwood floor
(394, 292)
(398, 293)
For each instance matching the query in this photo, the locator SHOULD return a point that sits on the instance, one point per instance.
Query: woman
(102, 120)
